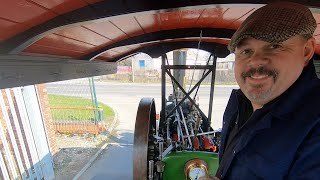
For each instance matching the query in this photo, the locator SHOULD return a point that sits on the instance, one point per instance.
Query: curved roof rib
(156, 50)
(164, 35)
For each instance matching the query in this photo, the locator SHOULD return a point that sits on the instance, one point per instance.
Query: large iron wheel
(144, 146)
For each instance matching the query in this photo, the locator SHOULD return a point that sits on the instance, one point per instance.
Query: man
(271, 127)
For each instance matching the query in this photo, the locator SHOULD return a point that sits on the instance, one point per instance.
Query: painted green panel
(175, 161)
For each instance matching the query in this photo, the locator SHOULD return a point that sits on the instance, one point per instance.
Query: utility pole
(179, 58)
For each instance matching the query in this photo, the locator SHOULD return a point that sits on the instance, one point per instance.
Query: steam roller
(181, 144)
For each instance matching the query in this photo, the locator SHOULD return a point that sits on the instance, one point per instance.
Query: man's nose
(258, 59)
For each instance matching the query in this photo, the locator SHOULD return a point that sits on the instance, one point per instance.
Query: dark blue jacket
(285, 143)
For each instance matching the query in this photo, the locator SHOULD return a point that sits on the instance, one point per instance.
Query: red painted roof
(20, 17)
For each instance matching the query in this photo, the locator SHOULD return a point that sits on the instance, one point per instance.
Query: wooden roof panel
(108, 30)
(150, 23)
(34, 12)
(169, 20)
(41, 49)
(210, 16)
(236, 24)
(91, 36)
(61, 6)
(189, 18)
(231, 15)
(84, 34)
(29, 15)
(59, 42)
(128, 25)
(5, 25)
(117, 29)
(236, 13)
(27, 10)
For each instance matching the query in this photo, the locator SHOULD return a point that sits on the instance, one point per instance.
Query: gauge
(196, 168)
(196, 173)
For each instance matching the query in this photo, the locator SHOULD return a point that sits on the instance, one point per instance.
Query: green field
(76, 109)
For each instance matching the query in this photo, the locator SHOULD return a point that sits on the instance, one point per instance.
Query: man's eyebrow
(269, 44)
(242, 43)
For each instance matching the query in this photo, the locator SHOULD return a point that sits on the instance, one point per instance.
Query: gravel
(75, 150)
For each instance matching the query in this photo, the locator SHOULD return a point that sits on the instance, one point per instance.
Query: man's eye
(246, 51)
(275, 46)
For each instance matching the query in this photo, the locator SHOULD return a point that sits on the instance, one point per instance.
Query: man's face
(264, 71)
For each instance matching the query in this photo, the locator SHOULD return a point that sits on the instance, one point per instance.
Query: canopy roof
(108, 31)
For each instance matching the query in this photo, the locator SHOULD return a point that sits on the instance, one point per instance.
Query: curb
(94, 157)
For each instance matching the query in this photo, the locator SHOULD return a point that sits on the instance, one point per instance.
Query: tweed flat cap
(274, 23)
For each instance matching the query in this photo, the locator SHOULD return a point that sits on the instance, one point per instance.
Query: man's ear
(309, 49)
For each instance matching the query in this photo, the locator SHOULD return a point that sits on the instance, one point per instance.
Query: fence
(24, 150)
(224, 75)
(74, 106)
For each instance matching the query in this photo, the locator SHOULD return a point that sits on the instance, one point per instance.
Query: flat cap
(275, 23)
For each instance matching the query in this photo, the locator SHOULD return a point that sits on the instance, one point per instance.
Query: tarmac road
(116, 161)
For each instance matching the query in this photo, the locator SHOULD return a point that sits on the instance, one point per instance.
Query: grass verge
(77, 108)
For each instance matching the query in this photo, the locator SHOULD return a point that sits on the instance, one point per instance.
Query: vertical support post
(25, 121)
(94, 92)
(94, 99)
(163, 88)
(213, 76)
(179, 58)
(38, 131)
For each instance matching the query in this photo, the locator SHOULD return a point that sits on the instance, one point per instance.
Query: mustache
(261, 71)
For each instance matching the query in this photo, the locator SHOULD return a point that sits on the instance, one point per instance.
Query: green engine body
(175, 162)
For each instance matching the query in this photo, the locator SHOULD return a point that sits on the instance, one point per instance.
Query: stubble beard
(256, 93)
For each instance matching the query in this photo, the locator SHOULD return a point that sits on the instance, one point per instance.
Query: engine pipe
(160, 150)
(200, 134)
(151, 166)
(180, 128)
(185, 125)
